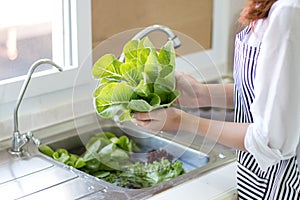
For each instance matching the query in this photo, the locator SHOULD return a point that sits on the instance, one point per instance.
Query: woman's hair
(255, 10)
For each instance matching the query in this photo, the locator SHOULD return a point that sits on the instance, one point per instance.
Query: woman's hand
(195, 94)
(192, 92)
(168, 119)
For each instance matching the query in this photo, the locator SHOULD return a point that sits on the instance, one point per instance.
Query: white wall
(234, 10)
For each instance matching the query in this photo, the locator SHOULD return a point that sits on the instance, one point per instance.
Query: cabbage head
(143, 82)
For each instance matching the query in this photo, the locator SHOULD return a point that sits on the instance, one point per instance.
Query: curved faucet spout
(171, 36)
(18, 139)
(25, 85)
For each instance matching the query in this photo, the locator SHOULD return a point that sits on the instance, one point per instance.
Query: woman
(266, 99)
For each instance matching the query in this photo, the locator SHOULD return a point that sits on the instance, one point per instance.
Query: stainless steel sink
(36, 176)
(190, 158)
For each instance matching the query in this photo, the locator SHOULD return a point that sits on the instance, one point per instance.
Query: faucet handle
(35, 140)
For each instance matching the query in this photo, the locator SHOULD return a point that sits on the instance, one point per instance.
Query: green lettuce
(108, 157)
(142, 175)
(143, 82)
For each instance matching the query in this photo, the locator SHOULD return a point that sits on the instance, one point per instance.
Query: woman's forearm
(196, 94)
(170, 119)
(219, 95)
(227, 133)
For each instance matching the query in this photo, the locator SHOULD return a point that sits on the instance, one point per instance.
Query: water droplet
(104, 190)
(84, 178)
(91, 188)
(66, 167)
(221, 155)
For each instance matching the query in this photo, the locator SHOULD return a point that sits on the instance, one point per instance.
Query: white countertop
(216, 184)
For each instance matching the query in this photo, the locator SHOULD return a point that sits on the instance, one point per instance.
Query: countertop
(217, 184)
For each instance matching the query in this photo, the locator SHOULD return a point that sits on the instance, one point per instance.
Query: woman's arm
(195, 94)
(172, 119)
(221, 95)
(227, 133)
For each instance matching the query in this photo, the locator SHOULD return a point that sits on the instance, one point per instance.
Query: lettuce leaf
(144, 82)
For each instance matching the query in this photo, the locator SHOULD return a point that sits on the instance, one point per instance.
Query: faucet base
(16, 153)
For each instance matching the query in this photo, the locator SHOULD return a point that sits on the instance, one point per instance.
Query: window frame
(77, 48)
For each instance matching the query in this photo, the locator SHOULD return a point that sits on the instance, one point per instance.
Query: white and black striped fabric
(280, 181)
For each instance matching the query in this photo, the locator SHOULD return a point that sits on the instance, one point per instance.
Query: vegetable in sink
(108, 157)
(144, 82)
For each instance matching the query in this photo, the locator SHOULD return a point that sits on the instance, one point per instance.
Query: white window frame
(79, 46)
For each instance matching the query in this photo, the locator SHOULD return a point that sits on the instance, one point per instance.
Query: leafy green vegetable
(105, 151)
(45, 149)
(108, 157)
(141, 175)
(144, 82)
(62, 155)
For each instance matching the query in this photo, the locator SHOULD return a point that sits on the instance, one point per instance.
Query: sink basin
(37, 176)
(190, 158)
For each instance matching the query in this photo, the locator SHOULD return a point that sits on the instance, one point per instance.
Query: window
(34, 29)
(20, 33)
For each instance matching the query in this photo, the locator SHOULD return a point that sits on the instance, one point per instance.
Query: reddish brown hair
(255, 10)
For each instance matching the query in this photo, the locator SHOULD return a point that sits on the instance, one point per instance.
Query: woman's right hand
(192, 92)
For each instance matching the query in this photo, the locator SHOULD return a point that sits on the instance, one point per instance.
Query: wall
(235, 7)
(193, 18)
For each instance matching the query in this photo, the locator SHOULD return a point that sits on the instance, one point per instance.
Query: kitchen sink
(191, 159)
(36, 176)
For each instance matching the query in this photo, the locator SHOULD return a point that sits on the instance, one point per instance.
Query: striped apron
(281, 181)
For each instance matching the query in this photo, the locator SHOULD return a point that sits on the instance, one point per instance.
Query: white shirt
(274, 135)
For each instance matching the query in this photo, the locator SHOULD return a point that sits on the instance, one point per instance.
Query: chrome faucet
(19, 140)
(171, 36)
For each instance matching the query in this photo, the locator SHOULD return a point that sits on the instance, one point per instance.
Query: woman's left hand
(161, 119)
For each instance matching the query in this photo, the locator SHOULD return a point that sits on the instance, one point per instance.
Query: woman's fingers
(161, 119)
(142, 116)
(142, 123)
(153, 125)
(154, 120)
(150, 116)
(178, 74)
